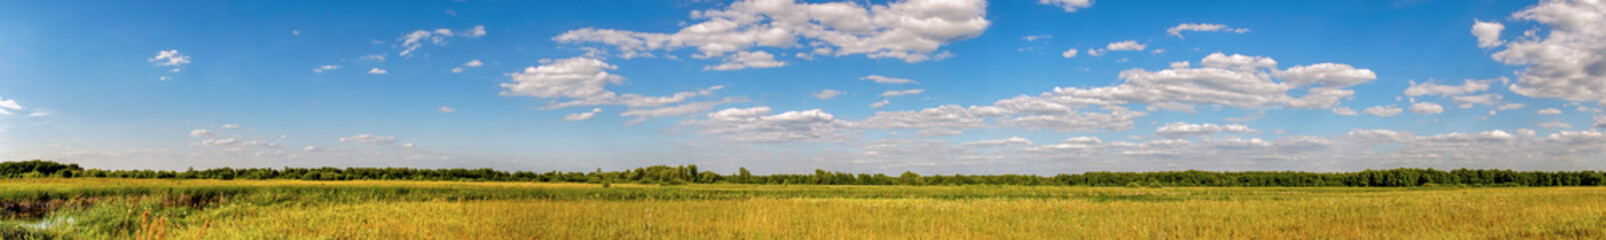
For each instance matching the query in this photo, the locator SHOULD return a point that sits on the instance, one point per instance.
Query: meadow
(97, 208)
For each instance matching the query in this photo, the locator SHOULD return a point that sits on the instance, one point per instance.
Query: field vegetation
(51, 206)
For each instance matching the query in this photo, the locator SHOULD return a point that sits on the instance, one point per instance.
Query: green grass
(210, 209)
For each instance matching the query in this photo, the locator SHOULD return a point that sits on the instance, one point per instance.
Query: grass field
(280, 209)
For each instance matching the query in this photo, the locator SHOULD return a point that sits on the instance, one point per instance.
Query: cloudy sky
(779, 86)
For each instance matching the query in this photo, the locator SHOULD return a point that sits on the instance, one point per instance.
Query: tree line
(683, 174)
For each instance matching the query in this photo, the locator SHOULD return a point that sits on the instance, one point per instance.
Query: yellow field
(836, 212)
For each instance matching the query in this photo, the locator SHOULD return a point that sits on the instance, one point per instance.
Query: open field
(254, 209)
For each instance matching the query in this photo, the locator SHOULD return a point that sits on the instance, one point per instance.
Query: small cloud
(880, 104)
(323, 68)
(895, 93)
(1549, 111)
(887, 80)
(369, 139)
(295, 32)
(471, 64)
(229, 126)
(1069, 53)
(377, 71)
(445, 109)
(202, 133)
(582, 116)
(827, 94)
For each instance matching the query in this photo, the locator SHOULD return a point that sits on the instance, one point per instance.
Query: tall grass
(208, 209)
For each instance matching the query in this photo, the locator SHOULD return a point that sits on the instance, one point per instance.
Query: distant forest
(672, 175)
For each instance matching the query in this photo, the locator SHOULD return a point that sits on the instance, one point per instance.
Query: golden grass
(912, 212)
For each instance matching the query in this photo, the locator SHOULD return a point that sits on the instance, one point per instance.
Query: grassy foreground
(278, 209)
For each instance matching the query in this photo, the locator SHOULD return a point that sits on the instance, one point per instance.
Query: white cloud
(8, 105)
(372, 57)
(1095, 52)
(1600, 121)
(377, 71)
(1549, 111)
(229, 126)
(582, 116)
(912, 30)
(1236, 80)
(583, 81)
(412, 41)
(202, 133)
(744, 60)
(888, 80)
(895, 93)
(170, 58)
(1567, 63)
(1016, 140)
(470, 64)
(1344, 111)
(1034, 38)
(1068, 5)
(1128, 45)
(1425, 108)
(369, 139)
(1430, 88)
(940, 120)
(1488, 33)
(1182, 130)
(1383, 111)
(311, 148)
(880, 104)
(1202, 27)
(683, 109)
(1553, 124)
(445, 109)
(756, 124)
(323, 68)
(827, 94)
(1069, 53)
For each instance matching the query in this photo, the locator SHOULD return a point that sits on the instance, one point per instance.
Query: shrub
(1155, 184)
(1134, 185)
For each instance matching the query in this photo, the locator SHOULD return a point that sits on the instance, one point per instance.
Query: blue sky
(988, 86)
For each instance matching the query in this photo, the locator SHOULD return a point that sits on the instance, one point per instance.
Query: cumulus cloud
(1344, 111)
(202, 133)
(888, 80)
(377, 71)
(583, 81)
(8, 105)
(895, 93)
(1425, 108)
(1069, 53)
(912, 30)
(369, 139)
(1128, 45)
(1431, 88)
(1383, 111)
(756, 124)
(1202, 27)
(827, 94)
(1567, 63)
(1488, 33)
(1068, 5)
(1549, 111)
(170, 58)
(582, 116)
(412, 41)
(1235, 80)
(744, 60)
(1182, 130)
(323, 68)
